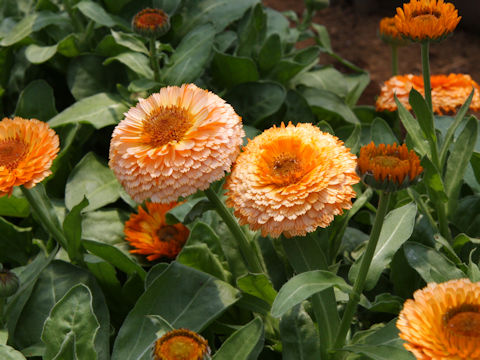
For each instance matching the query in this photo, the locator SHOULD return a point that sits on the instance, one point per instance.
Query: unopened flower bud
(8, 283)
(151, 23)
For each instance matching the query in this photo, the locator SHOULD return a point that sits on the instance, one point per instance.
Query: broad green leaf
(386, 303)
(382, 133)
(169, 6)
(37, 54)
(98, 14)
(86, 76)
(322, 37)
(138, 63)
(244, 344)
(202, 233)
(9, 353)
(384, 352)
(299, 335)
(115, 6)
(72, 315)
(270, 53)
(458, 161)
(100, 110)
(423, 113)
(230, 70)
(15, 243)
(286, 69)
(184, 297)
(433, 180)
(224, 40)
(356, 84)
(72, 228)
(200, 257)
(180, 212)
(257, 285)
(95, 181)
(302, 286)
(36, 101)
(130, 41)
(188, 61)
(68, 46)
(106, 276)
(327, 100)
(353, 141)
(298, 110)
(431, 265)
(14, 206)
(251, 31)
(397, 228)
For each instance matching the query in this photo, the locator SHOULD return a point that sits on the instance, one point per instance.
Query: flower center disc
(387, 161)
(151, 19)
(167, 233)
(285, 169)
(11, 152)
(465, 323)
(166, 125)
(181, 348)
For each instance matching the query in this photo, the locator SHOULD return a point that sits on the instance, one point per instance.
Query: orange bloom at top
(449, 92)
(151, 22)
(174, 143)
(425, 20)
(291, 179)
(389, 33)
(27, 150)
(181, 344)
(443, 321)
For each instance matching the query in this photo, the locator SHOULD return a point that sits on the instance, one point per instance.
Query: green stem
(362, 274)
(2, 310)
(88, 33)
(77, 25)
(426, 73)
(154, 60)
(246, 250)
(394, 60)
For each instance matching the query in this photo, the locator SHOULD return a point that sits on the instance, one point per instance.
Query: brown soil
(354, 37)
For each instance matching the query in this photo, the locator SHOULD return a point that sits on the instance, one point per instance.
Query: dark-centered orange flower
(174, 143)
(425, 20)
(449, 92)
(388, 167)
(27, 150)
(149, 234)
(151, 23)
(389, 33)
(291, 179)
(181, 344)
(443, 321)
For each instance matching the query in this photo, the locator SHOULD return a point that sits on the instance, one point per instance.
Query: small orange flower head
(389, 33)
(149, 234)
(27, 150)
(174, 143)
(151, 23)
(442, 322)
(388, 167)
(426, 20)
(449, 92)
(181, 344)
(291, 180)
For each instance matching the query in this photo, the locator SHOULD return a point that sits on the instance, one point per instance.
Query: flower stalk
(394, 52)
(154, 59)
(426, 73)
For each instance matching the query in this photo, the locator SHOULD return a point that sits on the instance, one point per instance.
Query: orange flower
(149, 233)
(425, 20)
(443, 321)
(27, 150)
(449, 92)
(389, 33)
(291, 180)
(174, 143)
(388, 167)
(181, 344)
(151, 23)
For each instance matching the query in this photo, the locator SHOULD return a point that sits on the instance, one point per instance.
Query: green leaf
(9, 353)
(138, 63)
(92, 179)
(251, 31)
(188, 61)
(37, 54)
(257, 285)
(353, 141)
(14, 206)
(130, 41)
(72, 228)
(286, 69)
(36, 101)
(298, 110)
(98, 14)
(244, 344)
(299, 335)
(200, 257)
(458, 161)
(382, 133)
(384, 352)
(73, 316)
(430, 264)
(68, 46)
(15, 243)
(99, 110)
(86, 76)
(230, 70)
(327, 100)
(423, 113)
(433, 179)
(184, 297)
(270, 53)
(397, 228)
(356, 84)
(322, 37)
(302, 286)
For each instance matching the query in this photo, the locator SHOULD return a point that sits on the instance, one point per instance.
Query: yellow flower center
(181, 348)
(167, 124)
(167, 233)
(388, 161)
(151, 19)
(286, 169)
(465, 323)
(11, 152)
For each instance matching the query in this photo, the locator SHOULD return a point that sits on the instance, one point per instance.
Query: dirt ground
(354, 36)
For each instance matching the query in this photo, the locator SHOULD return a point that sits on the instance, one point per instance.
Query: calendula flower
(388, 167)
(151, 23)
(181, 344)
(27, 150)
(443, 321)
(426, 20)
(174, 143)
(291, 179)
(389, 33)
(149, 234)
(449, 92)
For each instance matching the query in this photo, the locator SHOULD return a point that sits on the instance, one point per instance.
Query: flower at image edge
(389, 33)
(151, 23)
(388, 167)
(442, 322)
(149, 234)
(449, 92)
(181, 344)
(27, 150)
(290, 180)
(426, 20)
(174, 143)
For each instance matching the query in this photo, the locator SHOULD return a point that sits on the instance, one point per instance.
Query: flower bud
(151, 23)
(8, 283)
